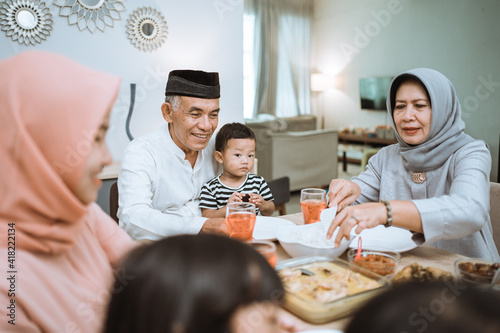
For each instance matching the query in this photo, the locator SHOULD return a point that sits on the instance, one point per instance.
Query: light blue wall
(202, 34)
(459, 38)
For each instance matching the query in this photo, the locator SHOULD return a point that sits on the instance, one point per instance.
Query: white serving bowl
(306, 241)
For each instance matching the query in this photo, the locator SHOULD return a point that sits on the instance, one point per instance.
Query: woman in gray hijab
(433, 182)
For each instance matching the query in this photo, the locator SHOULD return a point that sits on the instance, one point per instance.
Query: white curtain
(282, 40)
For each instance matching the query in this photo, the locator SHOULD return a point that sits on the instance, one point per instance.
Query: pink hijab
(50, 110)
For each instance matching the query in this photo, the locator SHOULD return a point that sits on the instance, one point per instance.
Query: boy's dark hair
(232, 131)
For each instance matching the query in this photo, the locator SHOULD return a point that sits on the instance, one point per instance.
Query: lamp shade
(322, 82)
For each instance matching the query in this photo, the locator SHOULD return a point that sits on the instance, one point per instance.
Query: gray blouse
(453, 202)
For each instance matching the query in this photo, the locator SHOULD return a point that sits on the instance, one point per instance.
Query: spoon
(358, 254)
(306, 272)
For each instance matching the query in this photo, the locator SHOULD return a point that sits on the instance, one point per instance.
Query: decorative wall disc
(91, 14)
(147, 29)
(25, 21)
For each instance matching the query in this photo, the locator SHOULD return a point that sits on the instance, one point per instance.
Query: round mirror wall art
(91, 14)
(25, 21)
(147, 29)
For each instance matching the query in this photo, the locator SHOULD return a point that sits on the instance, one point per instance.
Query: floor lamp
(320, 83)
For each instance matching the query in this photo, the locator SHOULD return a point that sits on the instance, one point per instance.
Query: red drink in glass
(241, 225)
(271, 259)
(267, 249)
(311, 209)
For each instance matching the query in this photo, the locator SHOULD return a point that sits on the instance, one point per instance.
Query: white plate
(264, 227)
(392, 238)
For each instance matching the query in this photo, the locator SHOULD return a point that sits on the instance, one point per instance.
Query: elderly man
(162, 173)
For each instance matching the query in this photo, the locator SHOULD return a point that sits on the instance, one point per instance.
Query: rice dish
(314, 237)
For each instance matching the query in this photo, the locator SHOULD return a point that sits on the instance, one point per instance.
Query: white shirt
(159, 191)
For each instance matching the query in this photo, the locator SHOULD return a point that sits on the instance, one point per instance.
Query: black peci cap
(193, 84)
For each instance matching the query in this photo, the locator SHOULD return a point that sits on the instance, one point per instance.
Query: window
(276, 61)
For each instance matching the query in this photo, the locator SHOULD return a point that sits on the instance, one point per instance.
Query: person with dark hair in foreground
(197, 283)
(431, 308)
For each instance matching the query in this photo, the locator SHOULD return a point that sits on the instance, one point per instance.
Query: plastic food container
(383, 262)
(478, 272)
(347, 287)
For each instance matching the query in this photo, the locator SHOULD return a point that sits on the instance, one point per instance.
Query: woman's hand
(364, 216)
(342, 193)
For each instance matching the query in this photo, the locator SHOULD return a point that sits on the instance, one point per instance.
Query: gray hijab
(446, 134)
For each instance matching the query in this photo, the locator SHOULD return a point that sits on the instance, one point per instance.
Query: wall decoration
(147, 29)
(130, 110)
(91, 14)
(25, 21)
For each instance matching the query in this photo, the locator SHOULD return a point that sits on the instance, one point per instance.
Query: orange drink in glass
(240, 219)
(267, 249)
(312, 202)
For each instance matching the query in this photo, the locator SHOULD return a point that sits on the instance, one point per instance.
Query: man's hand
(215, 226)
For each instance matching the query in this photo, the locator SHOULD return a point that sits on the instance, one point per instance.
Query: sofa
(294, 147)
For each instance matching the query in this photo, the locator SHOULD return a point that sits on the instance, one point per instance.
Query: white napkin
(327, 215)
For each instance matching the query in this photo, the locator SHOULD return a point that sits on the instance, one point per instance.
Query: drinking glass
(267, 249)
(240, 219)
(312, 202)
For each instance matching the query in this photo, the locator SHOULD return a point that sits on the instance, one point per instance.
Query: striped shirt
(215, 195)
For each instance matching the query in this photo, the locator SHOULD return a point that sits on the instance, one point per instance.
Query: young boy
(235, 150)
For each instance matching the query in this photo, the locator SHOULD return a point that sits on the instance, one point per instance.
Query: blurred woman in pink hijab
(58, 248)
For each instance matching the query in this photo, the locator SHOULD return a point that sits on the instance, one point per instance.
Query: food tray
(320, 312)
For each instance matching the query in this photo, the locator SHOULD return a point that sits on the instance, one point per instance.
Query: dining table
(425, 255)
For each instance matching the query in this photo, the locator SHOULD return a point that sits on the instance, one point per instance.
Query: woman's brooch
(418, 177)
